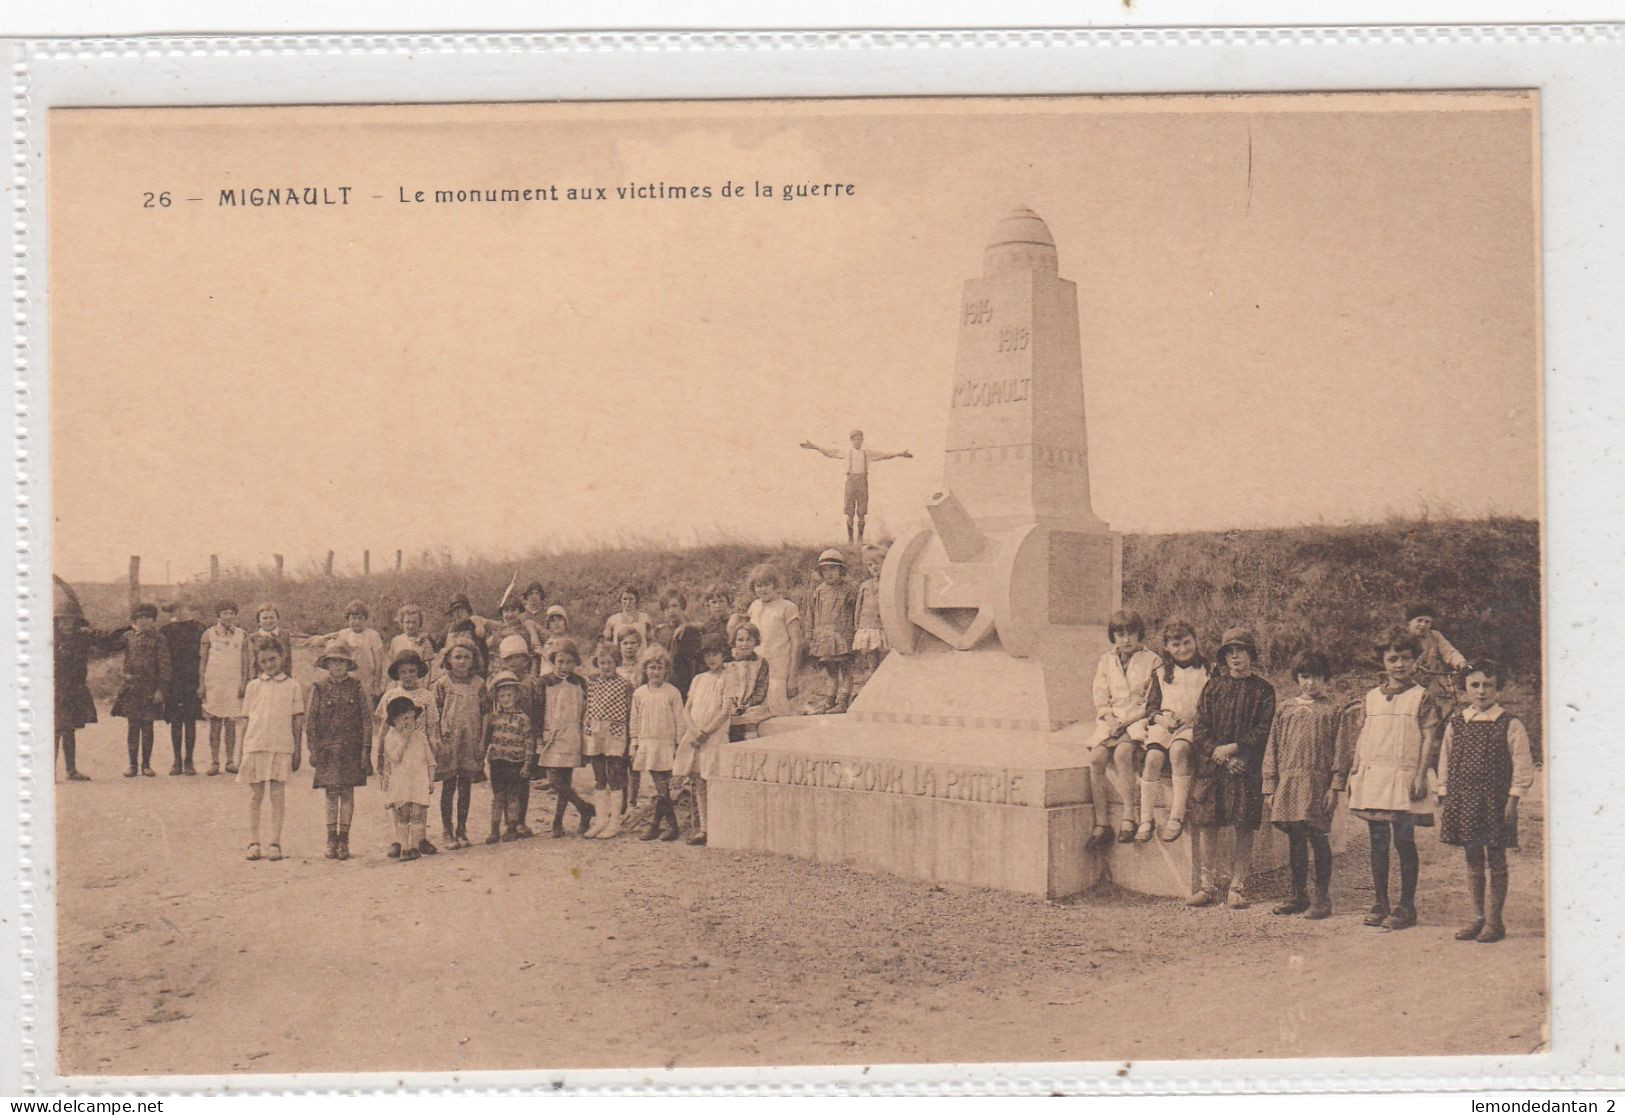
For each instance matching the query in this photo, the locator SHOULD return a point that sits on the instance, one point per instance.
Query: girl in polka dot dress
(1485, 766)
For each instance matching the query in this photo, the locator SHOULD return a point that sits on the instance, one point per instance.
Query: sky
(1293, 309)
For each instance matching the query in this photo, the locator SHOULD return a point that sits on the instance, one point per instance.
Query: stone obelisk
(963, 758)
(998, 609)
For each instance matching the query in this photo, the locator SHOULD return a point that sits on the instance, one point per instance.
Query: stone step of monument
(1007, 810)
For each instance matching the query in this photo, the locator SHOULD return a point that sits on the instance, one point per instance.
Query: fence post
(397, 561)
(366, 563)
(328, 567)
(214, 567)
(135, 581)
(278, 559)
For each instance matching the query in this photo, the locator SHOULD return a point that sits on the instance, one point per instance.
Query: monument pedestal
(963, 758)
(960, 805)
(1009, 810)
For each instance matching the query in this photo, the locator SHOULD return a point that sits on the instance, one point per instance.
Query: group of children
(507, 701)
(1404, 753)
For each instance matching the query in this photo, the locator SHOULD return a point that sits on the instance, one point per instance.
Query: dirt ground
(178, 956)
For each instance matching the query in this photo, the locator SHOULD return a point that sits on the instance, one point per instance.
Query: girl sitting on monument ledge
(1121, 683)
(1175, 688)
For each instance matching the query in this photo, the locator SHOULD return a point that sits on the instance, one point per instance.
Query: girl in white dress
(222, 681)
(709, 709)
(658, 722)
(779, 621)
(407, 776)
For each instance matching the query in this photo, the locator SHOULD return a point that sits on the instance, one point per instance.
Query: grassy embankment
(1329, 587)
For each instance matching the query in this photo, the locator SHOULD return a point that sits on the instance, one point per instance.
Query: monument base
(999, 809)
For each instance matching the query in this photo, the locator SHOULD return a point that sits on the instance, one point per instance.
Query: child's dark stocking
(346, 815)
(183, 742)
(558, 780)
(465, 798)
(1410, 868)
(1494, 927)
(332, 823)
(1380, 835)
(146, 746)
(600, 772)
(499, 811)
(632, 791)
(1475, 888)
(667, 806)
(132, 741)
(617, 772)
(658, 818)
(1321, 844)
(69, 744)
(565, 795)
(448, 790)
(1298, 861)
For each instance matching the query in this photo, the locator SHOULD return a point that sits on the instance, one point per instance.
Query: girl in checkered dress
(1485, 766)
(609, 712)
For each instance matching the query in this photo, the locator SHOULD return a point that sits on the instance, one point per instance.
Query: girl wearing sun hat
(336, 732)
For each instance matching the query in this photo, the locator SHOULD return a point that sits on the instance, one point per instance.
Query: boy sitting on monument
(1121, 683)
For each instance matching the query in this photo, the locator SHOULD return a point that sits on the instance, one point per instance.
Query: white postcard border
(1580, 70)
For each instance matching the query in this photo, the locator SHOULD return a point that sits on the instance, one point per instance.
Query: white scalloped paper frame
(1580, 70)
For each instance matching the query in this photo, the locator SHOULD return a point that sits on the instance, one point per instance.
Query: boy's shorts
(857, 495)
(1158, 737)
(505, 775)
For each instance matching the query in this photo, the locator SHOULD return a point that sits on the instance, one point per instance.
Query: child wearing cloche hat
(1233, 719)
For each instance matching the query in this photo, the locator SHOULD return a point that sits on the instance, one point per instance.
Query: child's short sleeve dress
(609, 712)
(707, 700)
(462, 720)
(270, 704)
(410, 766)
(773, 619)
(223, 678)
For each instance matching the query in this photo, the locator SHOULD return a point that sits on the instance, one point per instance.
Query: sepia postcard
(651, 584)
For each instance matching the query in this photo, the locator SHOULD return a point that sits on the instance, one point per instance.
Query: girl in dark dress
(1485, 765)
(75, 707)
(146, 677)
(1233, 720)
(183, 703)
(336, 728)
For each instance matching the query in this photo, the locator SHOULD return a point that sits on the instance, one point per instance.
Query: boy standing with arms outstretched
(858, 459)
